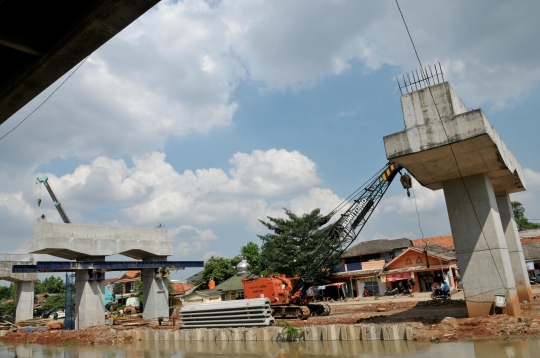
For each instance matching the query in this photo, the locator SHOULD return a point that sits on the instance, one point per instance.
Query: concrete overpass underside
(42, 40)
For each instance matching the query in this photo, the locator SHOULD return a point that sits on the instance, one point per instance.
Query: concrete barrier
(218, 336)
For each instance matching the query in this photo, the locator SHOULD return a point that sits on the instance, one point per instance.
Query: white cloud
(189, 240)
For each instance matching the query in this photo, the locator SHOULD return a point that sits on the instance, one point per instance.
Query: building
(361, 264)
(233, 288)
(411, 268)
(203, 296)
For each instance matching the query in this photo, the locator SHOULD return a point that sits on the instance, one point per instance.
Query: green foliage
(118, 289)
(139, 290)
(519, 215)
(291, 332)
(295, 243)
(253, 256)
(4, 293)
(219, 269)
(54, 302)
(52, 284)
(12, 290)
(8, 308)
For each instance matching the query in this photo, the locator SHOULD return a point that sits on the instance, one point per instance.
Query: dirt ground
(431, 321)
(434, 321)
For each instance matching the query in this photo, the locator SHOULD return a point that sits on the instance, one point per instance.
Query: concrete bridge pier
(155, 291)
(90, 296)
(521, 278)
(481, 248)
(446, 146)
(25, 300)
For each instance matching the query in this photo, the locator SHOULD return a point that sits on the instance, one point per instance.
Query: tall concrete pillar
(25, 300)
(90, 300)
(480, 245)
(155, 294)
(515, 251)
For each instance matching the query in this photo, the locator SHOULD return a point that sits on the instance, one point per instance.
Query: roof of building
(531, 250)
(445, 240)
(204, 293)
(233, 284)
(129, 276)
(180, 288)
(376, 246)
(193, 278)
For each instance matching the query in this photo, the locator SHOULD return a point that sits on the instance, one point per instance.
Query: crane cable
(46, 99)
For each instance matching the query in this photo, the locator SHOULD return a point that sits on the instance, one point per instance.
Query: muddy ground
(431, 321)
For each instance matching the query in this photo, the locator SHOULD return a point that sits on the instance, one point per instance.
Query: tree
(53, 284)
(252, 254)
(297, 245)
(219, 269)
(8, 308)
(54, 302)
(4, 293)
(118, 288)
(519, 216)
(12, 290)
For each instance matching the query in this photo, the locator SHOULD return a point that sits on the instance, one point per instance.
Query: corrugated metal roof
(377, 246)
(232, 284)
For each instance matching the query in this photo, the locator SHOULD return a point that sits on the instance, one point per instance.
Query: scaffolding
(69, 321)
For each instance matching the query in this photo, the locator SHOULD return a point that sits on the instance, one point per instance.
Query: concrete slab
(6, 274)
(77, 242)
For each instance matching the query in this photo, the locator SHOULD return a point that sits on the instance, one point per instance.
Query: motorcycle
(367, 293)
(439, 294)
(390, 292)
(533, 280)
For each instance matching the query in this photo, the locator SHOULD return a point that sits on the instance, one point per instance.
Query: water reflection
(201, 349)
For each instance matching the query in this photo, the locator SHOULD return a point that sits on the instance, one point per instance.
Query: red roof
(180, 288)
(448, 241)
(445, 240)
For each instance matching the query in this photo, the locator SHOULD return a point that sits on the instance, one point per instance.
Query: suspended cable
(46, 99)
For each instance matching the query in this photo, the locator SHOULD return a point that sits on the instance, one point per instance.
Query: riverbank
(428, 321)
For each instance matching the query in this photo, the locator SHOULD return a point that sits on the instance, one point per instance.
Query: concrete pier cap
(78, 241)
(446, 146)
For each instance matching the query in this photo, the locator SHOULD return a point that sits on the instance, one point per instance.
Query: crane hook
(406, 182)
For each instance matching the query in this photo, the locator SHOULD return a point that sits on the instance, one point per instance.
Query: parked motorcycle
(390, 292)
(439, 294)
(533, 280)
(368, 293)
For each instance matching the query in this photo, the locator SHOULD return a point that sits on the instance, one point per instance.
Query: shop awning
(416, 269)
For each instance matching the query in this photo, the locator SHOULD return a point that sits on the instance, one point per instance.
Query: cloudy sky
(206, 116)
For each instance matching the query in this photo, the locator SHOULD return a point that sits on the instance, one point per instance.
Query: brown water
(515, 348)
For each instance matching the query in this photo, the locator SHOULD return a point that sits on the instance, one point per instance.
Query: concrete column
(515, 251)
(90, 301)
(155, 295)
(25, 300)
(480, 244)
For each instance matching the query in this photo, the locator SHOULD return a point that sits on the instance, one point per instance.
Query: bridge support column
(480, 244)
(155, 292)
(515, 251)
(25, 300)
(90, 299)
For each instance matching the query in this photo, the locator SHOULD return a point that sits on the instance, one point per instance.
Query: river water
(514, 348)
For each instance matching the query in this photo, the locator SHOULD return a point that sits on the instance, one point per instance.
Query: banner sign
(530, 266)
(398, 276)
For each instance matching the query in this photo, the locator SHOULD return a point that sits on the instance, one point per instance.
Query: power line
(46, 99)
